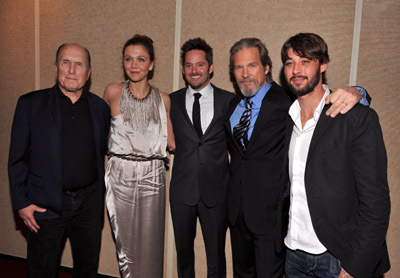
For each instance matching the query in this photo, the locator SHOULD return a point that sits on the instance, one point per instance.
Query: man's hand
(342, 101)
(343, 274)
(27, 216)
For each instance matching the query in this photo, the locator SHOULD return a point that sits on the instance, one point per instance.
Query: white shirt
(206, 105)
(301, 234)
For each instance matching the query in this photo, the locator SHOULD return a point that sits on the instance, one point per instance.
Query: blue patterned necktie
(241, 130)
(196, 115)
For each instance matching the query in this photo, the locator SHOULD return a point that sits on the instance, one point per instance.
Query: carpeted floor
(14, 267)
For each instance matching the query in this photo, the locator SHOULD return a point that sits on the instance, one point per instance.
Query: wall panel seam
(175, 86)
(37, 44)
(356, 43)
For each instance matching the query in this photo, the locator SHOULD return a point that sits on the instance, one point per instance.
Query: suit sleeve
(366, 100)
(107, 118)
(18, 161)
(369, 162)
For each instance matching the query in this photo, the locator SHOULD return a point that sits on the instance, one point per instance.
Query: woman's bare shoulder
(112, 91)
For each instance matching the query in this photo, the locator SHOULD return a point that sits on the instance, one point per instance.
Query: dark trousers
(81, 215)
(254, 255)
(214, 223)
(300, 264)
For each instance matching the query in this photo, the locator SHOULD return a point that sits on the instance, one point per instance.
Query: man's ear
(211, 69)
(323, 67)
(266, 70)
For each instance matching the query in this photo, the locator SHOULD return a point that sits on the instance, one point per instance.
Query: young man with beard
(339, 196)
(200, 172)
(256, 132)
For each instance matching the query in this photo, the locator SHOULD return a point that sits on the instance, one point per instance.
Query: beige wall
(17, 76)
(379, 71)
(103, 27)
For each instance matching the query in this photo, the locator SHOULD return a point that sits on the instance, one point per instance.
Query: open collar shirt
(301, 234)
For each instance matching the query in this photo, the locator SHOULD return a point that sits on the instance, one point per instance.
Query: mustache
(298, 76)
(247, 80)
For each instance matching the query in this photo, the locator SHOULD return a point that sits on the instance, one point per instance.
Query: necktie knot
(248, 103)
(197, 96)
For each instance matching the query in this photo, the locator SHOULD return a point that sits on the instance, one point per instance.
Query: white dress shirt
(301, 234)
(206, 105)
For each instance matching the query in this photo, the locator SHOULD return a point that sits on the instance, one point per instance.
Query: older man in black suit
(56, 167)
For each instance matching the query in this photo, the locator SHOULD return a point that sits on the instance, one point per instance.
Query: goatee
(251, 92)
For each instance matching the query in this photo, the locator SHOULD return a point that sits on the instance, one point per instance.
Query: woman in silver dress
(140, 133)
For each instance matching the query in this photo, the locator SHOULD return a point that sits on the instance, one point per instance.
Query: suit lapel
(216, 112)
(228, 126)
(285, 164)
(323, 123)
(94, 115)
(181, 104)
(218, 103)
(288, 136)
(54, 106)
(263, 115)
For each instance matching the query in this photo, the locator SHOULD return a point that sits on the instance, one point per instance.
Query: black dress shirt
(79, 154)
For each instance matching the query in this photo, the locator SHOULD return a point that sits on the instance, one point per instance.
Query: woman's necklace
(132, 96)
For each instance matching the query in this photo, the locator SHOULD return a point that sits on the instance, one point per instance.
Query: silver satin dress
(135, 183)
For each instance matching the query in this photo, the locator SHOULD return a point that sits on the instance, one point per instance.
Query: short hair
(249, 43)
(144, 41)
(308, 45)
(65, 44)
(197, 44)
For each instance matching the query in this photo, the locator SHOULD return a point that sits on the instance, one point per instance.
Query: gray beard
(250, 93)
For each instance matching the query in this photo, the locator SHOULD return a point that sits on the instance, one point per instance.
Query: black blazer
(35, 158)
(256, 181)
(347, 189)
(200, 169)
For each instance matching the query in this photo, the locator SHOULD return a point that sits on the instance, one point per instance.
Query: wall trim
(175, 86)
(37, 45)
(356, 43)
(178, 27)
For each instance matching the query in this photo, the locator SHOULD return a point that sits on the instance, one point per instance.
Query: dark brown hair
(306, 45)
(197, 44)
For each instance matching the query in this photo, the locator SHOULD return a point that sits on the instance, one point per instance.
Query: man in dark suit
(200, 170)
(339, 195)
(56, 167)
(256, 131)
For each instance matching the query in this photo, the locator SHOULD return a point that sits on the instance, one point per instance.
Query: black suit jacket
(35, 158)
(200, 169)
(256, 181)
(347, 189)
